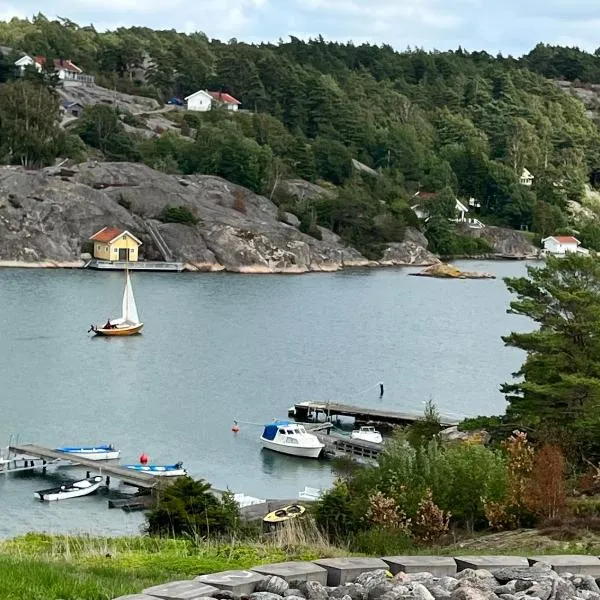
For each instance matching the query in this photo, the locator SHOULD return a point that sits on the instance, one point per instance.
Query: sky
(507, 26)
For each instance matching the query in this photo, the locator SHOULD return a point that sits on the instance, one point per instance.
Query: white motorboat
(84, 487)
(291, 438)
(175, 470)
(310, 493)
(100, 452)
(367, 434)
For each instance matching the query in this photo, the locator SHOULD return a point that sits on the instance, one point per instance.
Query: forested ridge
(458, 123)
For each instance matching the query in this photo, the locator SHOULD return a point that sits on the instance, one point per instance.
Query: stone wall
(557, 577)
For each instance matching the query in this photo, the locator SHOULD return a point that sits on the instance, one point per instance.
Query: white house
(200, 101)
(226, 100)
(67, 71)
(526, 178)
(559, 245)
(460, 210)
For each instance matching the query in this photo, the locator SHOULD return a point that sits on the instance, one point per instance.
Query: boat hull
(119, 331)
(300, 451)
(114, 455)
(366, 437)
(65, 493)
(158, 471)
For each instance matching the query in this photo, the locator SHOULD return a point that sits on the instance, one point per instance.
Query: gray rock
(507, 596)
(507, 588)
(523, 584)
(584, 582)
(292, 592)
(313, 590)
(273, 584)
(376, 590)
(470, 593)
(477, 579)
(542, 590)
(265, 596)
(588, 595)
(414, 235)
(419, 591)
(508, 242)
(439, 592)
(355, 590)
(421, 577)
(524, 573)
(226, 595)
(398, 592)
(291, 219)
(448, 583)
(407, 253)
(371, 578)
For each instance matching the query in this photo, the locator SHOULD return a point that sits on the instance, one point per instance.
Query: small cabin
(559, 245)
(114, 244)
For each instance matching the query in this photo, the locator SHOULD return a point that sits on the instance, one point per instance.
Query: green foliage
(557, 394)
(189, 508)
(426, 428)
(178, 214)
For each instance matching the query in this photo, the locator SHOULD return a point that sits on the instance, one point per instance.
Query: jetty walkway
(103, 468)
(310, 411)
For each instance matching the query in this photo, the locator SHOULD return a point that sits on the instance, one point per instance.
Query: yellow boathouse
(114, 244)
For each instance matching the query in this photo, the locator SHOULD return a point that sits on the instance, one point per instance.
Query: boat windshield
(368, 429)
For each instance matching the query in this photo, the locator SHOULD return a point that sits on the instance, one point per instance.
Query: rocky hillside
(47, 217)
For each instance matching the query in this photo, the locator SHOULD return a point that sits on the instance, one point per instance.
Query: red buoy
(143, 459)
(235, 427)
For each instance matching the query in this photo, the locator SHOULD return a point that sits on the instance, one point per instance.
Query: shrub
(546, 494)
(431, 522)
(378, 541)
(239, 201)
(519, 466)
(383, 512)
(188, 507)
(426, 428)
(178, 214)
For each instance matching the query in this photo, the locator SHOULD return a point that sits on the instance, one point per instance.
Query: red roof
(223, 97)
(107, 234)
(566, 239)
(59, 63)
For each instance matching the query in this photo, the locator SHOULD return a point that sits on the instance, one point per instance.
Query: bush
(239, 201)
(546, 494)
(178, 214)
(431, 522)
(187, 507)
(426, 428)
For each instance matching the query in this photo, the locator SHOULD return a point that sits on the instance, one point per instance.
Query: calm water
(221, 347)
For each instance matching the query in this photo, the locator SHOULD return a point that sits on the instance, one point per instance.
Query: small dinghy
(100, 452)
(175, 470)
(367, 434)
(277, 517)
(84, 487)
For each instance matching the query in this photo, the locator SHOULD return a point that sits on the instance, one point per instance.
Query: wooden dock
(104, 468)
(142, 265)
(311, 411)
(343, 444)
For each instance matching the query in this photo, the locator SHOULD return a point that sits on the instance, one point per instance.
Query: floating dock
(104, 468)
(342, 444)
(141, 265)
(311, 411)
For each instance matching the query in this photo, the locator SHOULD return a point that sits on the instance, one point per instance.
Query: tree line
(458, 122)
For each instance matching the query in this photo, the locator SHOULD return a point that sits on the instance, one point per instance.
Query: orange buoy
(143, 459)
(235, 428)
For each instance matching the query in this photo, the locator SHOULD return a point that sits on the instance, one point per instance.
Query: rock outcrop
(447, 271)
(507, 243)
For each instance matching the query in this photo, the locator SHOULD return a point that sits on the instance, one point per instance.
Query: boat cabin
(115, 245)
(285, 432)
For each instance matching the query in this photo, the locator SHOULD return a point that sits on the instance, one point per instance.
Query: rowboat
(175, 470)
(129, 323)
(277, 517)
(84, 487)
(100, 452)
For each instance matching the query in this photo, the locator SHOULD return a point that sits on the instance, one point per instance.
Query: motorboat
(129, 322)
(282, 515)
(243, 500)
(367, 434)
(84, 487)
(175, 470)
(291, 438)
(100, 452)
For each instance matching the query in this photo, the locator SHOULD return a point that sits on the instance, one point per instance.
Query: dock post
(44, 467)
(108, 481)
(87, 475)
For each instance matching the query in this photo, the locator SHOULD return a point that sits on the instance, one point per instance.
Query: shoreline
(190, 267)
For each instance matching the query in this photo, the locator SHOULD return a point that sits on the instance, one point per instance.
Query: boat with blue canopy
(175, 470)
(291, 438)
(99, 452)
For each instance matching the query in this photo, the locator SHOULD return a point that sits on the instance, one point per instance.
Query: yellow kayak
(285, 514)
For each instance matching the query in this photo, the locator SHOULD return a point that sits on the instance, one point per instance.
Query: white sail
(130, 313)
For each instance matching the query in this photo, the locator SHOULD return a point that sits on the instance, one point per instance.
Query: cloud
(510, 26)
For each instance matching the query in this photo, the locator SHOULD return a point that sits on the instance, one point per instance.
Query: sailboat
(129, 323)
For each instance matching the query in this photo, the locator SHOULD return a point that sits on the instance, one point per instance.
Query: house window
(115, 251)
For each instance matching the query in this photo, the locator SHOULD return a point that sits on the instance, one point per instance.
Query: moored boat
(129, 322)
(100, 452)
(291, 438)
(84, 487)
(175, 470)
(277, 517)
(367, 434)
